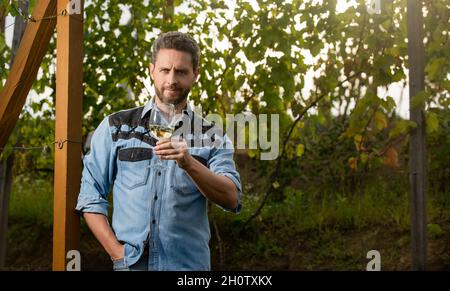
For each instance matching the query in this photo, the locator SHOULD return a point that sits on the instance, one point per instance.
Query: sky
(395, 90)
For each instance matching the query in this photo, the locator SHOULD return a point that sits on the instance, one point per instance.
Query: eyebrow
(180, 70)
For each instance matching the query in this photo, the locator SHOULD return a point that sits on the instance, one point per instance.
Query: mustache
(173, 88)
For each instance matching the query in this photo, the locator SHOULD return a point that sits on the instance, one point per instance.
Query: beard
(181, 95)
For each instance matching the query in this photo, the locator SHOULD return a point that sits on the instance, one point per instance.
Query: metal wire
(28, 19)
(59, 144)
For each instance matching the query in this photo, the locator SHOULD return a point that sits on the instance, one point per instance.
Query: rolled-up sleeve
(221, 163)
(98, 172)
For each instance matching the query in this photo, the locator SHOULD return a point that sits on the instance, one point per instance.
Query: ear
(151, 67)
(196, 73)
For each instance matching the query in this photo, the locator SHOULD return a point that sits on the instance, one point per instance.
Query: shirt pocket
(133, 168)
(183, 183)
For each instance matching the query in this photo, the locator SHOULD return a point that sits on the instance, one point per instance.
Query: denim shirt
(154, 207)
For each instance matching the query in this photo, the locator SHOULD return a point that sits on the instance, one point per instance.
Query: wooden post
(6, 167)
(26, 64)
(2, 19)
(417, 152)
(19, 28)
(69, 93)
(5, 189)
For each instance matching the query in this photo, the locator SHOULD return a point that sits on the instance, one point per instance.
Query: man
(159, 211)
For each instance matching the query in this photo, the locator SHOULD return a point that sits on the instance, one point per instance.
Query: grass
(331, 231)
(32, 200)
(306, 231)
(304, 212)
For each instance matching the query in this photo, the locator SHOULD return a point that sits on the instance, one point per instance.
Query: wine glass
(161, 123)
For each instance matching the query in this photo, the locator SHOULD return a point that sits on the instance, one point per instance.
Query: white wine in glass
(160, 131)
(161, 123)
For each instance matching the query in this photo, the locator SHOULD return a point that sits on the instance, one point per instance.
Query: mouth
(172, 91)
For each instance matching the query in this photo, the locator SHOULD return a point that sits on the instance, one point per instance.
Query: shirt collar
(151, 103)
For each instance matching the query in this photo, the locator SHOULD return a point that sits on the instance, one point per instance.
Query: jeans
(140, 265)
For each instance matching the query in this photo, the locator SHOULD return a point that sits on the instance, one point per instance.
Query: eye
(164, 70)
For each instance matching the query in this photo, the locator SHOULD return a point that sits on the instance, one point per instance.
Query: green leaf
(420, 99)
(275, 185)
(434, 230)
(2, 42)
(402, 127)
(316, 48)
(359, 142)
(321, 118)
(434, 68)
(364, 157)
(252, 153)
(432, 122)
(353, 163)
(300, 150)
(380, 120)
(246, 26)
(296, 107)
(390, 103)
(329, 83)
(446, 85)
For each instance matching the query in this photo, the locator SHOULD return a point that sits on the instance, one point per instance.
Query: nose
(171, 78)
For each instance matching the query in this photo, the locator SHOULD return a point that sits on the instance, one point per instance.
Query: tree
(256, 57)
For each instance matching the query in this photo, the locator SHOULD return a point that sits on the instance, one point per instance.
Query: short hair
(178, 41)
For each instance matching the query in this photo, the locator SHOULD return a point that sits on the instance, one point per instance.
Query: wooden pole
(19, 28)
(417, 152)
(2, 19)
(26, 64)
(69, 94)
(5, 189)
(6, 167)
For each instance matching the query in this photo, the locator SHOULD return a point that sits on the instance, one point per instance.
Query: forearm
(217, 188)
(99, 225)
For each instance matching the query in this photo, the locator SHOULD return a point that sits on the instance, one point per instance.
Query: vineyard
(338, 77)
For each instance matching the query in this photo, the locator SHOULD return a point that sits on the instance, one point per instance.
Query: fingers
(170, 144)
(172, 157)
(179, 145)
(167, 152)
(163, 143)
(163, 146)
(171, 149)
(172, 139)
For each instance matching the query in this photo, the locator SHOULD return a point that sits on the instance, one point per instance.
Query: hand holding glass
(162, 123)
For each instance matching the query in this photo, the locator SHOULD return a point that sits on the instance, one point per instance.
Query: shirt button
(159, 173)
(153, 221)
(156, 197)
